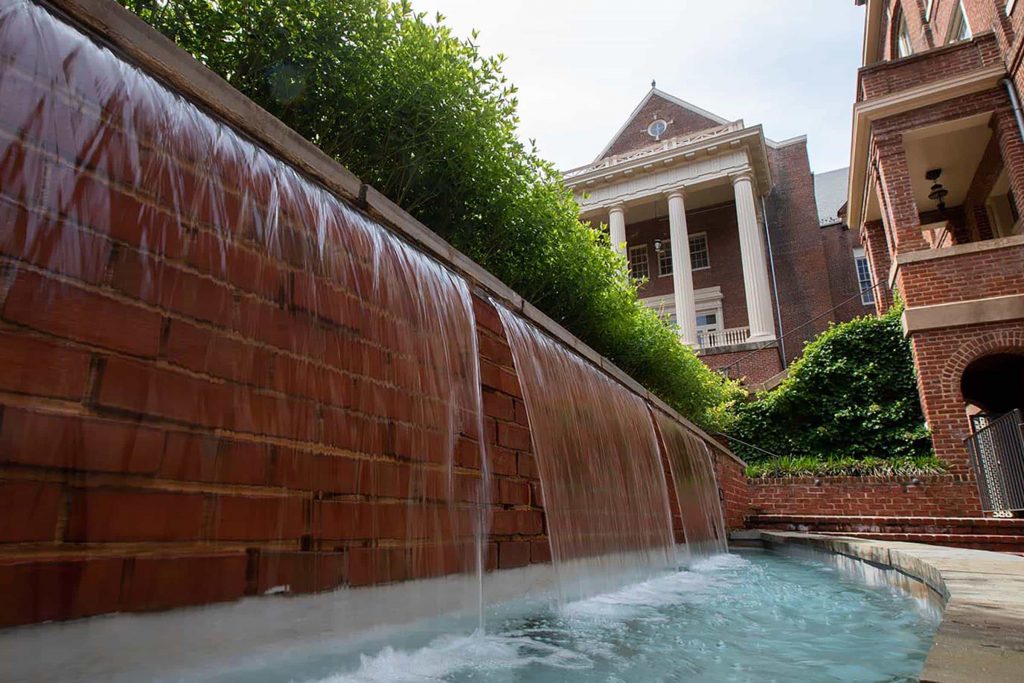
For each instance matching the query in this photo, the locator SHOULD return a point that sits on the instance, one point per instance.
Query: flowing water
(696, 489)
(292, 322)
(751, 617)
(604, 489)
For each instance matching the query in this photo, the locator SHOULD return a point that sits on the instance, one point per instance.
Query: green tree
(431, 122)
(851, 395)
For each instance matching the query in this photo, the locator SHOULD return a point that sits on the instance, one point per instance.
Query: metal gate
(997, 456)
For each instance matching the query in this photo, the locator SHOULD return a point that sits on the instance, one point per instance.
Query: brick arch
(997, 341)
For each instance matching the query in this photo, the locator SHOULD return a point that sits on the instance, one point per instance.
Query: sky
(581, 66)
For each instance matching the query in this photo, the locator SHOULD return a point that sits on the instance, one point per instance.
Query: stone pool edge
(981, 636)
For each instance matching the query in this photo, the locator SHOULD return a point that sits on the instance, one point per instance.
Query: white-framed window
(1009, 6)
(665, 258)
(867, 290)
(928, 10)
(959, 29)
(639, 268)
(904, 48)
(699, 256)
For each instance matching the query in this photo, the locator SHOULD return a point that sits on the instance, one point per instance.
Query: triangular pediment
(680, 116)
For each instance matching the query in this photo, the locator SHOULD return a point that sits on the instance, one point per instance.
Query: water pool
(748, 616)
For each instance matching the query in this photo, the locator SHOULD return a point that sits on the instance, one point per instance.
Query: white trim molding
(960, 313)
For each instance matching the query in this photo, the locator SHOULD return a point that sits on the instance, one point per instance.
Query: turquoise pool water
(748, 616)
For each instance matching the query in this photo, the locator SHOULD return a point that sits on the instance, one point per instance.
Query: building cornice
(869, 111)
(751, 139)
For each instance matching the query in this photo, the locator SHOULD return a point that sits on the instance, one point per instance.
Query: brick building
(764, 268)
(936, 191)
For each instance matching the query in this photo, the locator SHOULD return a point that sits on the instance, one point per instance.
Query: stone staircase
(979, 533)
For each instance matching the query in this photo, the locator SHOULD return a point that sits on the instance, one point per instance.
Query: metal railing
(997, 456)
(711, 339)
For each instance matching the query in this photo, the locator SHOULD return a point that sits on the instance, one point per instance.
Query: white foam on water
(447, 655)
(646, 597)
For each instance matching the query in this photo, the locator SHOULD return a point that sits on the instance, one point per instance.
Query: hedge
(851, 394)
(431, 122)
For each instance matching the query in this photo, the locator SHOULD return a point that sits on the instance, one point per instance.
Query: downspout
(1015, 101)
(775, 282)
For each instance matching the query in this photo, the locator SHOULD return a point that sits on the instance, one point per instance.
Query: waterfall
(696, 488)
(301, 368)
(604, 489)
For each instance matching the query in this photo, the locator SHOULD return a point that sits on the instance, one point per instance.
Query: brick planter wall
(946, 495)
(734, 490)
(190, 415)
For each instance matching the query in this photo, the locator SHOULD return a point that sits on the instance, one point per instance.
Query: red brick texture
(941, 355)
(947, 495)
(680, 122)
(753, 366)
(197, 403)
(733, 488)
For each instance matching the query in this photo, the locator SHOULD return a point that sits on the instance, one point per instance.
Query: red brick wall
(754, 366)
(926, 67)
(963, 277)
(733, 488)
(946, 495)
(842, 273)
(801, 266)
(941, 356)
(194, 408)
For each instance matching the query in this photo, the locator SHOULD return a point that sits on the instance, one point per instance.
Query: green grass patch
(810, 466)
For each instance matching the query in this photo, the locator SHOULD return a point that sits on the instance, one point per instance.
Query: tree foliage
(431, 122)
(851, 395)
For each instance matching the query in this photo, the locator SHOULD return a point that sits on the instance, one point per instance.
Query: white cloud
(581, 66)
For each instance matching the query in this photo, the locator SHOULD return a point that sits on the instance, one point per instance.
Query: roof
(830, 194)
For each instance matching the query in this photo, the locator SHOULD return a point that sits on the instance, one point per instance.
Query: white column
(617, 228)
(755, 262)
(682, 272)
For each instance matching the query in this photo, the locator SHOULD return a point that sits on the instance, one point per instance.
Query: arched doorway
(994, 384)
(993, 389)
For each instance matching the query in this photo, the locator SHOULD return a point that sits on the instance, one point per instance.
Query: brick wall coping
(162, 59)
(912, 480)
(982, 594)
(955, 250)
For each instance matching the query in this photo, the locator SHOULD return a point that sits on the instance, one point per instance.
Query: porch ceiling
(955, 147)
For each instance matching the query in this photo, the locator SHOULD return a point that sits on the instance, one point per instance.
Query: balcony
(716, 339)
(946, 63)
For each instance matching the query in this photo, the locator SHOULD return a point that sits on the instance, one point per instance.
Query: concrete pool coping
(981, 636)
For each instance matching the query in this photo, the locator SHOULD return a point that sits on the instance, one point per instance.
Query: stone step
(996, 542)
(890, 525)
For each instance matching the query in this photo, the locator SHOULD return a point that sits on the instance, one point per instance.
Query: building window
(638, 265)
(707, 322)
(665, 258)
(903, 46)
(1009, 6)
(867, 291)
(657, 128)
(699, 259)
(928, 10)
(959, 29)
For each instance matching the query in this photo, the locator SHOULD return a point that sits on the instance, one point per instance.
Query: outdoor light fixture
(938, 192)
(657, 246)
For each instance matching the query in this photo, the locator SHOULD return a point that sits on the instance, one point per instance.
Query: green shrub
(839, 467)
(429, 121)
(851, 395)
